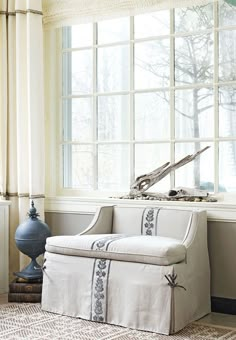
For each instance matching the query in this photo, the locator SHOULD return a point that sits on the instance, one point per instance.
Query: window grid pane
(152, 115)
(116, 117)
(113, 68)
(194, 113)
(152, 64)
(198, 173)
(194, 59)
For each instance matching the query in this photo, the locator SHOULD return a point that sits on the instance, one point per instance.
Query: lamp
(30, 238)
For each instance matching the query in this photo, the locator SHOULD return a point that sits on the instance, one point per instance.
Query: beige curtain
(21, 113)
(58, 13)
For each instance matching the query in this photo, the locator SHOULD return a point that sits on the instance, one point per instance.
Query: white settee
(143, 268)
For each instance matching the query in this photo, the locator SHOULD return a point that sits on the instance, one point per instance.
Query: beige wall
(67, 223)
(222, 250)
(221, 240)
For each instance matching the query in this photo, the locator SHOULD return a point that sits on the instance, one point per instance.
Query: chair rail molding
(223, 211)
(4, 245)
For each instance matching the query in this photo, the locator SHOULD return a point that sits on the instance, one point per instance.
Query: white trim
(154, 89)
(132, 103)
(172, 99)
(52, 69)
(216, 99)
(4, 203)
(151, 141)
(216, 211)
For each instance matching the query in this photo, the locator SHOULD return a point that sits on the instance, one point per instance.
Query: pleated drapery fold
(21, 114)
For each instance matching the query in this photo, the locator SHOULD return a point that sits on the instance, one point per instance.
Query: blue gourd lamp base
(32, 271)
(30, 238)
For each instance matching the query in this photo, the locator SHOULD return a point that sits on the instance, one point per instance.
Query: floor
(219, 319)
(212, 318)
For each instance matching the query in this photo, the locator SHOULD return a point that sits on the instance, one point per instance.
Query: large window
(140, 91)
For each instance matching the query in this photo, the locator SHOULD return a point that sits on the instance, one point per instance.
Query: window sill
(223, 210)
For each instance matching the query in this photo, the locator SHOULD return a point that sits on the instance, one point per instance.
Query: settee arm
(101, 223)
(197, 228)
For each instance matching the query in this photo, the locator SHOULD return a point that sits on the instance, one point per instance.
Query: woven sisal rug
(28, 321)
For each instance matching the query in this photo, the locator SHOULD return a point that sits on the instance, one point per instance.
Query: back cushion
(151, 221)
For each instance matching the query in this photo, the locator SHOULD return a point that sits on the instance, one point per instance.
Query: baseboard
(223, 305)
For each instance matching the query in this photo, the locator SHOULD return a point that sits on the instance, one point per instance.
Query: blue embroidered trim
(103, 243)
(100, 279)
(149, 221)
(99, 289)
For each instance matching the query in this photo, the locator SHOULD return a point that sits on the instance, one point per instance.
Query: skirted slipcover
(143, 268)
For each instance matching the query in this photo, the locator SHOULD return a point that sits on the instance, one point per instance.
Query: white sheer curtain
(58, 13)
(21, 113)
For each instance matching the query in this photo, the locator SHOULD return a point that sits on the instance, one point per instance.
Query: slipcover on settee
(143, 268)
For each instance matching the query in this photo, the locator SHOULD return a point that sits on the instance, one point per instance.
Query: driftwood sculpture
(144, 182)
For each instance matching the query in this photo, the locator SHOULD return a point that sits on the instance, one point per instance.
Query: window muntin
(148, 90)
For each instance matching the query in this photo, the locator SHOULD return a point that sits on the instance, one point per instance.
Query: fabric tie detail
(171, 278)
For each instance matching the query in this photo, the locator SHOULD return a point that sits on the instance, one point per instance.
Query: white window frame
(58, 187)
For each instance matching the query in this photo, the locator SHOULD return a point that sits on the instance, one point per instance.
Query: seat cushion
(131, 248)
